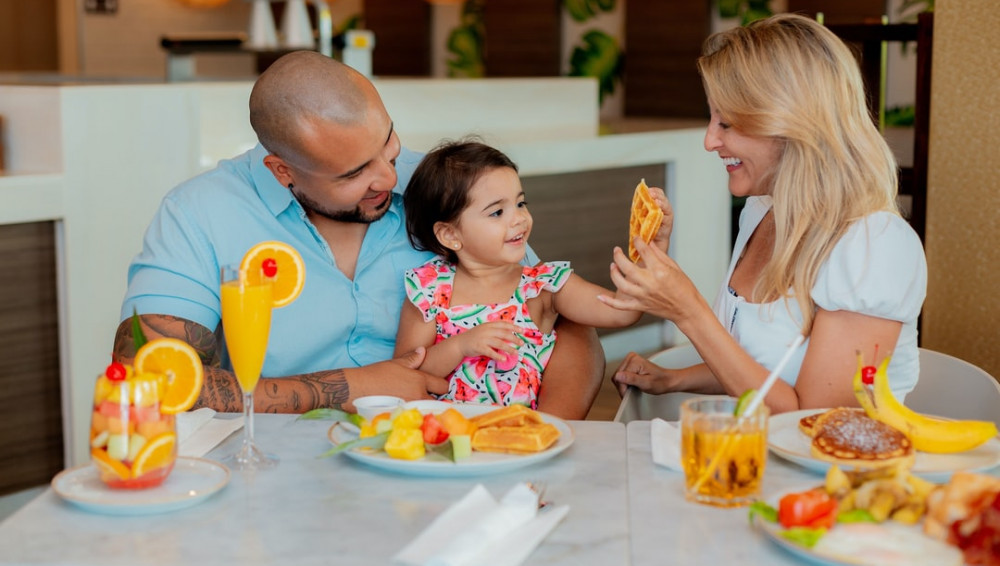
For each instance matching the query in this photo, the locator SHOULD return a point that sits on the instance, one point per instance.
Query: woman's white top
(877, 269)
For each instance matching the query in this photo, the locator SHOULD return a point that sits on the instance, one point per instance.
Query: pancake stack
(851, 439)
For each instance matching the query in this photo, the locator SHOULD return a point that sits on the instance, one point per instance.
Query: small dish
(192, 481)
(371, 405)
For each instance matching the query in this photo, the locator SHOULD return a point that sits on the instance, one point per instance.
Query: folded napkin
(479, 530)
(198, 431)
(666, 443)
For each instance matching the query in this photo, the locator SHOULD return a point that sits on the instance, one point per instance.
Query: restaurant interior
(107, 104)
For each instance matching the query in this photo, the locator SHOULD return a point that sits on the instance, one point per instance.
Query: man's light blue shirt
(214, 218)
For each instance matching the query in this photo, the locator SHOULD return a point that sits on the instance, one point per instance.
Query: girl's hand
(662, 237)
(495, 340)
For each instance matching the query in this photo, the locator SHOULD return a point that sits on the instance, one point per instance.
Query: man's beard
(356, 215)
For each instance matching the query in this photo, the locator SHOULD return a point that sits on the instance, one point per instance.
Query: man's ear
(279, 169)
(447, 235)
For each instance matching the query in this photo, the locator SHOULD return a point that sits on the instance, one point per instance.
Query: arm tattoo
(221, 391)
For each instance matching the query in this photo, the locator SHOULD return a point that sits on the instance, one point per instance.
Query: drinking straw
(757, 399)
(750, 409)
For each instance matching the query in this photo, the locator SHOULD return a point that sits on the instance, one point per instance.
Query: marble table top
(330, 511)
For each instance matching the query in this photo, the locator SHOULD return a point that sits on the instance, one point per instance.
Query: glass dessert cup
(132, 443)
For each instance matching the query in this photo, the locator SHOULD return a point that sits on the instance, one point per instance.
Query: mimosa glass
(246, 324)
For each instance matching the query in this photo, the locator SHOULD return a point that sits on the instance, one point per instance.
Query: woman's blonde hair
(791, 79)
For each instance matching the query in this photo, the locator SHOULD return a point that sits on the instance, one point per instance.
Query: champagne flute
(246, 324)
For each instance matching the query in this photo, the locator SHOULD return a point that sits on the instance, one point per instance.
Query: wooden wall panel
(28, 35)
(664, 41)
(402, 37)
(31, 436)
(523, 38)
(580, 217)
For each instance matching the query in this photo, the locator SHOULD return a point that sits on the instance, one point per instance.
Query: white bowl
(372, 405)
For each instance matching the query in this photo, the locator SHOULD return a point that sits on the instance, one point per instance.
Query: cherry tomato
(434, 432)
(814, 508)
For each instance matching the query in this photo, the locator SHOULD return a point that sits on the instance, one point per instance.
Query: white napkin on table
(666, 444)
(479, 530)
(198, 431)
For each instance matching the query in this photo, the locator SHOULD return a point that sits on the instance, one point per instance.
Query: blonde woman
(821, 249)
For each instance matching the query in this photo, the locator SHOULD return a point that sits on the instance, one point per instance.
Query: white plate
(868, 544)
(478, 463)
(191, 481)
(786, 440)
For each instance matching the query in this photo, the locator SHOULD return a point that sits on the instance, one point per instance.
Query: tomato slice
(814, 508)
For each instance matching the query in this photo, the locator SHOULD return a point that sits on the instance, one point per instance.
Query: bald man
(327, 178)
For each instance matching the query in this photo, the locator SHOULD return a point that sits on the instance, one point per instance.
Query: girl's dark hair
(439, 188)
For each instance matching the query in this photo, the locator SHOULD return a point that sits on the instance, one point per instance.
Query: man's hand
(397, 376)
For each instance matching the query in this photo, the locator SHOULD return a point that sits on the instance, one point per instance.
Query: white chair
(636, 405)
(954, 388)
(948, 387)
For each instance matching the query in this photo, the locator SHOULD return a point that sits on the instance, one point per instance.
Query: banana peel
(927, 433)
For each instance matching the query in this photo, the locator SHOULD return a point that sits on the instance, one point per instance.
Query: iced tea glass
(723, 456)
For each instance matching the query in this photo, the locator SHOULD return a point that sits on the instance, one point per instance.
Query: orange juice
(723, 458)
(246, 323)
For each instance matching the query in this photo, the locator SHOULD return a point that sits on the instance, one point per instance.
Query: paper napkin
(666, 443)
(198, 431)
(478, 530)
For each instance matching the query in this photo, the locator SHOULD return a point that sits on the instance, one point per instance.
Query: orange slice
(108, 466)
(180, 363)
(157, 452)
(290, 274)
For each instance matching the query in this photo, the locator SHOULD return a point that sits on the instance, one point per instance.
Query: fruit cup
(133, 442)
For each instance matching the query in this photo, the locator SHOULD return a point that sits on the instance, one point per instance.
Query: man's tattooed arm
(221, 391)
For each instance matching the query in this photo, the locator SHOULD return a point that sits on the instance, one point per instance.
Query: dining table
(623, 510)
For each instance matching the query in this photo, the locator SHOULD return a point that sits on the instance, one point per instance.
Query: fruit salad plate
(866, 544)
(786, 440)
(436, 465)
(192, 481)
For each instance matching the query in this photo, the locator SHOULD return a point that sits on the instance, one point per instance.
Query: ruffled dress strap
(429, 286)
(549, 276)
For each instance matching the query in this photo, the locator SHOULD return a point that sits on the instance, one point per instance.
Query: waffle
(515, 439)
(645, 219)
(514, 415)
(853, 440)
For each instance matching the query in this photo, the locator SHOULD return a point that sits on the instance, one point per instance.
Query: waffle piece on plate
(853, 440)
(513, 415)
(515, 439)
(645, 219)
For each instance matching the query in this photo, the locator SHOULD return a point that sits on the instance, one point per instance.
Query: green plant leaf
(579, 10)
(137, 334)
(377, 442)
(600, 57)
(856, 516)
(729, 8)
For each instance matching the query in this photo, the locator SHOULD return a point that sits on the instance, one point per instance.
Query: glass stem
(248, 419)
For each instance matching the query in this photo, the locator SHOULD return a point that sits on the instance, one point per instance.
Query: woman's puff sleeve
(877, 268)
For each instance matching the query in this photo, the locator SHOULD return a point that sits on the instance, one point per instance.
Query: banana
(928, 434)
